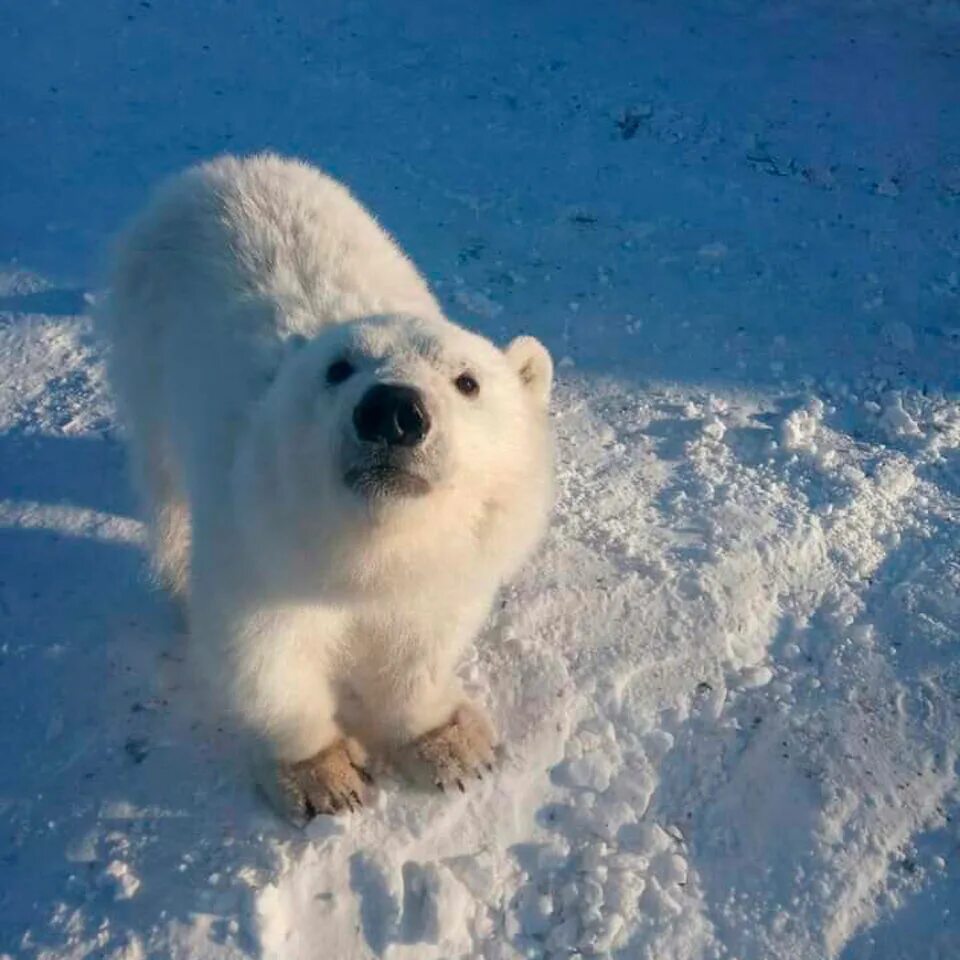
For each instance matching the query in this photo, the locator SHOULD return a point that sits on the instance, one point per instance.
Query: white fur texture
(230, 297)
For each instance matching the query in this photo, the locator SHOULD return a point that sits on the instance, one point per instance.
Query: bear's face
(414, 425)
(405, 408)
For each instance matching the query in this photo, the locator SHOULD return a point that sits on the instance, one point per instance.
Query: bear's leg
(302, 781)
(306, 766)
(440, 738)
(167, 513)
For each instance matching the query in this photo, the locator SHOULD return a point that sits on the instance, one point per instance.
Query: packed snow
(728, 684)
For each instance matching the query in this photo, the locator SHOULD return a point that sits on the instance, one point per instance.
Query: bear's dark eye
(338, 371)
(467, 385)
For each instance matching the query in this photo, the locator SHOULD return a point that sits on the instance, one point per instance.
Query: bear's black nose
(392, 414)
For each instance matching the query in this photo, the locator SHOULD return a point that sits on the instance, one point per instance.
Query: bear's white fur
(230, 298)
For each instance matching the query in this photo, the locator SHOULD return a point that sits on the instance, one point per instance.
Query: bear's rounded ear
(530, 359)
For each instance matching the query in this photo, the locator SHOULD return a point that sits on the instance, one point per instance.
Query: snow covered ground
(729, 685)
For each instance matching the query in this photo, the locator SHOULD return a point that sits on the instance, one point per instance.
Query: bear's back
(267, 232)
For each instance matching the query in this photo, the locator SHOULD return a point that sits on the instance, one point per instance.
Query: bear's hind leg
(167, 515)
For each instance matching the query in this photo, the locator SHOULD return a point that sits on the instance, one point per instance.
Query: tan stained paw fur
(460, 750)
(331, 781)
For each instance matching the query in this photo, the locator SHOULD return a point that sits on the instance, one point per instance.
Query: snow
(728, 684)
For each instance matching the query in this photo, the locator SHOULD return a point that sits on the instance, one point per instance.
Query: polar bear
(336, 478)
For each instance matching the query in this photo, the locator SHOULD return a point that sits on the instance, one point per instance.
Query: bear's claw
(449, 755)
(328, 782)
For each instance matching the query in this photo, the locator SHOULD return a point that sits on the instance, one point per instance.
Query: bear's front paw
(333, 780)
(459, 750)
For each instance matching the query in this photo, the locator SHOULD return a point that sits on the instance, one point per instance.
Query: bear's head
(400, 441)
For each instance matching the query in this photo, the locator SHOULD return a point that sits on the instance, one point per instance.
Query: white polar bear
(337, 478)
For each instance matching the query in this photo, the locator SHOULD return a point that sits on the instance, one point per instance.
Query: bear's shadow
(86, 472)
(55, 302)
(96, 747)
